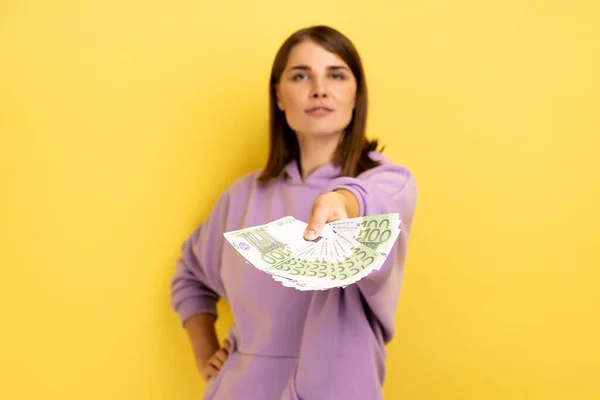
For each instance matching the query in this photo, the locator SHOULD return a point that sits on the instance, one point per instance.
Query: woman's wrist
(351, 202)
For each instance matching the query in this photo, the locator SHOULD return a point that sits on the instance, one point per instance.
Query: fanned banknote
(345, 252)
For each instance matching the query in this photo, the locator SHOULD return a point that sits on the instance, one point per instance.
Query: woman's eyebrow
(303, 67)
(338, 67)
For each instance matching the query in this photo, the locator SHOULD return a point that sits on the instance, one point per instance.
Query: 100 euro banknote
(345, 252)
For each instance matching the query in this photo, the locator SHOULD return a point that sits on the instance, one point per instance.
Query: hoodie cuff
(353, 186)
(195, 305)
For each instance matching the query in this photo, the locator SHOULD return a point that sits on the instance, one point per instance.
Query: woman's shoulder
(386, 163)
(248, 183)
(240, 188)
(379, 157)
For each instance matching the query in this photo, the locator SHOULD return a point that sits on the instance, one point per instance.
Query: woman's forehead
(313, 55)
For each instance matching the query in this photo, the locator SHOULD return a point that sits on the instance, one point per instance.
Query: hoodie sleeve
(382, 190)
(196, 284)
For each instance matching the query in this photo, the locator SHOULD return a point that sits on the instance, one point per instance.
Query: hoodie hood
(324, 173)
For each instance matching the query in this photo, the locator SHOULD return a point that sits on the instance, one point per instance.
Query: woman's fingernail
(310, 235)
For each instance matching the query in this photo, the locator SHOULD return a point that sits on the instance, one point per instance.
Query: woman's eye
(338, 76)
(298, 77)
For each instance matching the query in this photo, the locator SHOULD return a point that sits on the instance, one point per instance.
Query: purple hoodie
(290, 344)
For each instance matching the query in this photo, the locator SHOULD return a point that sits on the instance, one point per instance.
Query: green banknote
(345, 252)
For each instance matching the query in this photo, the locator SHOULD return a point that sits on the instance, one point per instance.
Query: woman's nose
(319, 89)
(319, 92)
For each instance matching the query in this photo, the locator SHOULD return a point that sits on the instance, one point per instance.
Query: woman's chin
(320, 133)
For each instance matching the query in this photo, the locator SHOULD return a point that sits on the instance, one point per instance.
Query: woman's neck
(316, 152)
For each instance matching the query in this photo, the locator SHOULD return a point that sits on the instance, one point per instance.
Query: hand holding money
(330, 207)
(346, 250)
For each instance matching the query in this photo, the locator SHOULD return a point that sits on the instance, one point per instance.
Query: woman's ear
(278, 97)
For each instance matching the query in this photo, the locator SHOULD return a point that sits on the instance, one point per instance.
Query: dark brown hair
(352, 154)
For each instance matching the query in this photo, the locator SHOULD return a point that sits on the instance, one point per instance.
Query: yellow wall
(121, 121)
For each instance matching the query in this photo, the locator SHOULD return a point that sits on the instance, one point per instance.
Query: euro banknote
(346, 250)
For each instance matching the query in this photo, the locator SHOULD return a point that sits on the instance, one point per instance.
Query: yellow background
(121, 121)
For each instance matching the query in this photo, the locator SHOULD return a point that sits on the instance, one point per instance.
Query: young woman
(289, 344)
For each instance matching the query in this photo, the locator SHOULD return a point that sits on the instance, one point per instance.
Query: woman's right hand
(210, 368)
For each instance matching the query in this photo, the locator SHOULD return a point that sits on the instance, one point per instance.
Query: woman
(289, 344)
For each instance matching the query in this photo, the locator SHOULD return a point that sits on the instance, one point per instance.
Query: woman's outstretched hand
(329, 207)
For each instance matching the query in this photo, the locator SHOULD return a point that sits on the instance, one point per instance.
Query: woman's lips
(319, 111)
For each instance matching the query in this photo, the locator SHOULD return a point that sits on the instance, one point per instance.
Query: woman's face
(316, 91)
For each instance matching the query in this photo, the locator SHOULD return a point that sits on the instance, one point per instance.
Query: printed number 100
(374, 231)
(275, 256)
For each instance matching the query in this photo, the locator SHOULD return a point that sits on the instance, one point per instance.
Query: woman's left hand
(329, 207)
